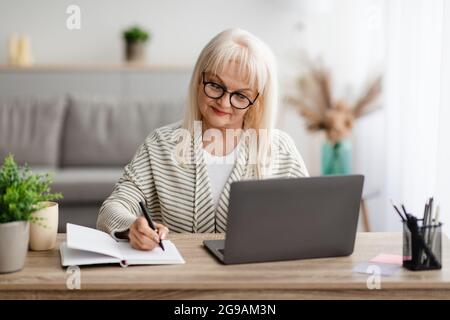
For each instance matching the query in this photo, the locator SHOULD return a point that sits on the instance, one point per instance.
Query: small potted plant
(21, 194)
(135, 40)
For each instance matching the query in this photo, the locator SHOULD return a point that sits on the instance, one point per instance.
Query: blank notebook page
(157, 255)
(74, 257)
(87, 239)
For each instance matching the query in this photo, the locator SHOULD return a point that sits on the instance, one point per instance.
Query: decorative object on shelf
(13, 47)
(21, 194)
(45, 229)
(336, 117)
(19, 51)
(135, 44)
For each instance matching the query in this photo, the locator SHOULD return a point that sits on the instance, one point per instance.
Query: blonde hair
(257, 61)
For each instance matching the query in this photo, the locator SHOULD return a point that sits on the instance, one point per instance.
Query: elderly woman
(183, 171)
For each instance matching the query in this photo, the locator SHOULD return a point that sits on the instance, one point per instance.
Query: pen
(435, 226)
(425, 223)
(430, 220)
(425, 211)
(436, 218)
(398, 211)
(431, 210)
(404, 210)
(150, 222)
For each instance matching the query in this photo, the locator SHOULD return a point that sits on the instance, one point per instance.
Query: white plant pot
(14, 238)
(43, 232)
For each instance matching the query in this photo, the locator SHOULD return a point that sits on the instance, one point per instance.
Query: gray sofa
(84, 140)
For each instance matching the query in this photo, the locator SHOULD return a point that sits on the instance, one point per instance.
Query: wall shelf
(96, 68)
(121, 80)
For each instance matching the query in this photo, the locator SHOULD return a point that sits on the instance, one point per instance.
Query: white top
(219, 169)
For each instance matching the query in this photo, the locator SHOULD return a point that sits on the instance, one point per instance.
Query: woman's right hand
(141, 236)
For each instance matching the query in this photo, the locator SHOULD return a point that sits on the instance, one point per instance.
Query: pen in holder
(422, 245)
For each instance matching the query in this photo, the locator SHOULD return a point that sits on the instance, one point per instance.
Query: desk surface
(203, 277)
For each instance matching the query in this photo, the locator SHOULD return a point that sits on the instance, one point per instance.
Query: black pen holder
(422, 248)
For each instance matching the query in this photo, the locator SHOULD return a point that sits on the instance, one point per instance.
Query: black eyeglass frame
(225, 90)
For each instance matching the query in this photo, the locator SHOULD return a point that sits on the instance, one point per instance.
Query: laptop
(290, 218)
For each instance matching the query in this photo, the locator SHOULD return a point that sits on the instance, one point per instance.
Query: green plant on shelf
(136, 34)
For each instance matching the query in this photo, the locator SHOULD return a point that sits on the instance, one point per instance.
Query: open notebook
(86, 246)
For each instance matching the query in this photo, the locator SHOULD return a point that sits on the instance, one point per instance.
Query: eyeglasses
(214, 90)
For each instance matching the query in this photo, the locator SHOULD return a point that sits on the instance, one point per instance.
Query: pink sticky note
(388, 258)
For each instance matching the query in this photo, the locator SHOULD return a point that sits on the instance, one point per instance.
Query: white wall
(416, 113)
(348, 34)
(180, 28)
(443, 163)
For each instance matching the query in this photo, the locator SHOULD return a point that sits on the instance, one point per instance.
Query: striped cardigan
(179, 196)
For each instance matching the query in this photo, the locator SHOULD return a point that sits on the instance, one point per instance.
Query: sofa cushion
(107, 131)
(83, 185)
(30, 128)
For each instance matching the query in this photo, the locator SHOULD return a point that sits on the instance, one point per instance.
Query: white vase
(44, 229)
(13, 245)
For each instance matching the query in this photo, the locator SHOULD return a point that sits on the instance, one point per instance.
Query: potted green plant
(135, 39)
(21, 194)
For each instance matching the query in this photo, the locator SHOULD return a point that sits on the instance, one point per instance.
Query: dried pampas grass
(317, 105)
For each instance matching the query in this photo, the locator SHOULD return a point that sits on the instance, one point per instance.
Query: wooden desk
(202, 277)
